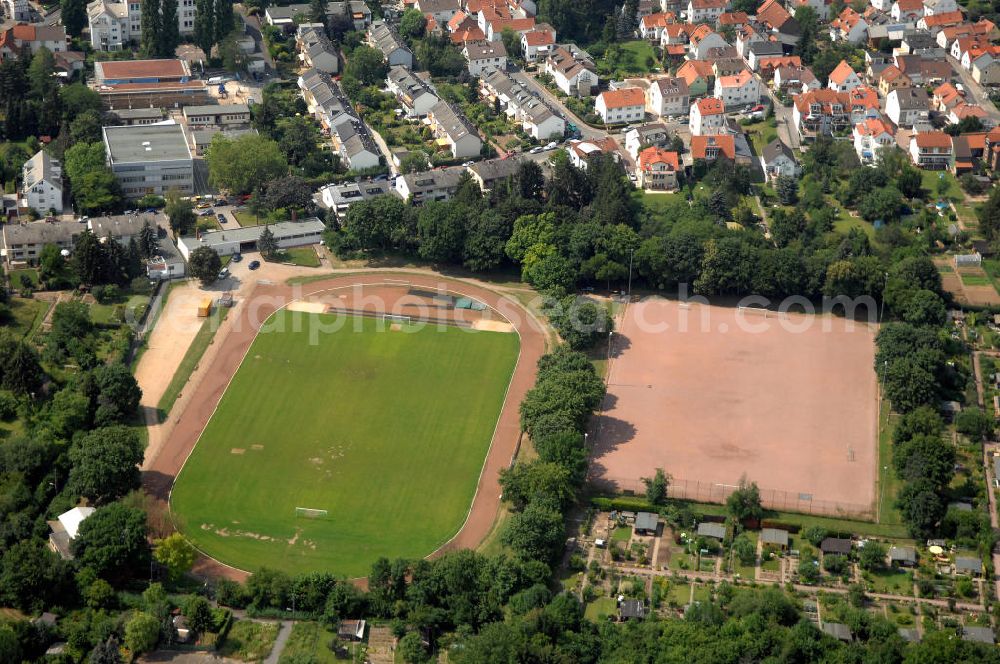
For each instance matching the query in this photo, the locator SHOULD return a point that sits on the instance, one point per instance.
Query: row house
(414, 93)
(351, 138)
(962, 111)
(931, 150)
(439, 184)
(315, 48)
(454, 131)
(743, 89)
(657, 169)
(572, 70)
(849, 27)
(651, 27)
(491, 172)
(843, 78)
(986, 69)
(668, 96)
(923, 69)
(907, 107)
(707, 116)
(441, 11)
(493, 20)
(769, 65)
(386, 39)
(537, 118)
(621, 106)
(982, 28)
(892, 78)
(871, 137)
(483, 55)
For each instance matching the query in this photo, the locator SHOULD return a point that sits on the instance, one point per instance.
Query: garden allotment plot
(385, 429)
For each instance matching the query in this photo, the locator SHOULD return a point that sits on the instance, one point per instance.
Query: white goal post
(392, 318)
(310, 513)
(744, 309)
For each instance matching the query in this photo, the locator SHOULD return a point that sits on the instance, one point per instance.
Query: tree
(656, 487)
(225, 19)
(512, 43)
(106, 652)
(412, 24)
(989, 216)
(317, 12)
(118, 393)
(180, 213)
(142, 632)
(925, 458)
(74, 16)
(788, 189)
(884, 203)
(536, 533)
(744, 550)
(176, 555)
(169, 34)
(441, 228)
(105, 463)
(150, 21)
(872, 556)
(366, 65)
(924, 307)
(204, 25)
(909, 385)
(537, 480)
(22, 374)
(30, 576)
(267, 244)
(86, 127)
(199, 614)
(112, 541)
(148, 241)
(411, 649)
(205, 265)
(974, 423)
(415, 161)
(379, 223)
(243, 164)
(922, 507)
(743, 504)
(581, 322)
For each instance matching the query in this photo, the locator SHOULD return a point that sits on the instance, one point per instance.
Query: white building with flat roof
(150, 159)
(41, 184)
(227, 242)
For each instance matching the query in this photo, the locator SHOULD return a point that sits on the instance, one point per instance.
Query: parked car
(236, 258)
(221, 217)
(202, 206)
(254, 265)
(536, 150)
(206, 213)
(552, 146)
(223, 273)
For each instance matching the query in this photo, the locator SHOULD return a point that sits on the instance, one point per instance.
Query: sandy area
(741, 394)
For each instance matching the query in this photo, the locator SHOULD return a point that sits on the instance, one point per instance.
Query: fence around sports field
(713, 492)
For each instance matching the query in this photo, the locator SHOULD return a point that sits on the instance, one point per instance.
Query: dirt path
(201, 396)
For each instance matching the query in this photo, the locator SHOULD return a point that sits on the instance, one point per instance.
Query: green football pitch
(386, 430)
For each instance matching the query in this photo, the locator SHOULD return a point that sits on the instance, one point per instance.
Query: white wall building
(42, 187)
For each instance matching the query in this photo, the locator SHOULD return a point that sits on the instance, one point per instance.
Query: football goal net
(759, 311)
(392, 318)
(310, 513)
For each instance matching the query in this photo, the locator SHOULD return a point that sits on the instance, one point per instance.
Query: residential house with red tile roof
(939, 21)
(742, 89)
(712, 147)
(849, 27)
(794, 80)
(698, 75)
(706, 11)
(871, 136)
(775, 17)
(657, 169)
(891, 78)
(536, 43)
(22, 40)
(843, 78)
(703, 39)
(621, 106)
(965, 110)
(732, 19)
(572, 70)
(826, 112)
(668, 96)
(708, 116)
(907, 10)
(931, 150)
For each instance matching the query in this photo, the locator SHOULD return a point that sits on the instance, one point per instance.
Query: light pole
(631, 253)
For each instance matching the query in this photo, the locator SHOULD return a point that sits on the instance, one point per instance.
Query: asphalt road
(974, 90)
(528, 81)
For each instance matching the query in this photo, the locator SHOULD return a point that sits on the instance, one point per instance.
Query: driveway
(974, 90)
(529, 81)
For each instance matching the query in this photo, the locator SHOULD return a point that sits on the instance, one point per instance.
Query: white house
(907, 106)
(572, 70)
(934, 7)
(657, 169)
(740, 90)
(483, 55)
(850, 26)
(777, 159)
(41, 184)
(646, 135)
(705, 11)
(536, 44)
(870, 137)
(907, 10)
(703, 39)
(65, 528)
(708, 116)
(668, 96)
(843, 78)
(931, 149)
(621, 106)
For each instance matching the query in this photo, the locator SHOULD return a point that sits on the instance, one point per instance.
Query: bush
(8, 406)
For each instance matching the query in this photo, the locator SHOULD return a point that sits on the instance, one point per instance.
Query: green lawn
(930, 180)
(621, 534)
(112, 313)
(894, 581)
(202, 340)
(250, 641)
(28, 315)
(889, 483)
(605, 606)
(761, 133)
(385, 429)
(244, 218)
(303, 256)
(17, 278)
(309, 640)
(628, 58)
(975, 279)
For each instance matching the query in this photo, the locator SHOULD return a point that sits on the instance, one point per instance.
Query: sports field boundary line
(531, 320)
